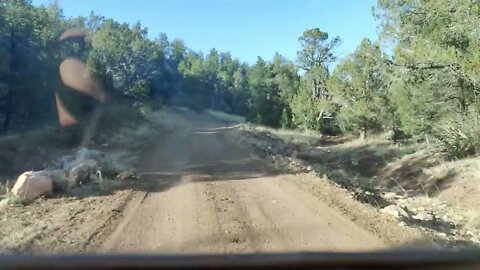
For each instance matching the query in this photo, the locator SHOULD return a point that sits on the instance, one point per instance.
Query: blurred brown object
(74, 32)
(64, 116)
(75, 75)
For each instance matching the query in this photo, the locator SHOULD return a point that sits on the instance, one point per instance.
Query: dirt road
(207, 192)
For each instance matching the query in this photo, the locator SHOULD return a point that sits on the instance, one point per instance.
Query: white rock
(3, 203)
(475, 239)
(402, 212)
(423, 216)
(442, 234)
(389, 195)
(394, 210)
(32, 185)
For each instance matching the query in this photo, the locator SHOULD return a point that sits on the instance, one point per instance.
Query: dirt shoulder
(58, 225)
(413, 183)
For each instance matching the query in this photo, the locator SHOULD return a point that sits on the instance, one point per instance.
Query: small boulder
(394, 210)
(83, 172)
(423, 216)
(32, 185)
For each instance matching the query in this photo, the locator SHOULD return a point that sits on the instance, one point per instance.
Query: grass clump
(11, 198)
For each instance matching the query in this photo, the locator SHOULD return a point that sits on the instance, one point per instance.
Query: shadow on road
(188, 155)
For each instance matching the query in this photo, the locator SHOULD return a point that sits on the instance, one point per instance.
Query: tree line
(425, 85)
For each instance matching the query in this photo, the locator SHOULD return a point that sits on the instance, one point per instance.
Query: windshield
(239, 126)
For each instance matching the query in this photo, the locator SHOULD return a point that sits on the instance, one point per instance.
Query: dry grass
(6, 194)
(375, 163)
(295, 137)
(458, 181)
(378, 165)
(225, 117)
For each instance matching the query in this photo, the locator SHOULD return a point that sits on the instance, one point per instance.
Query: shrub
(460, 137)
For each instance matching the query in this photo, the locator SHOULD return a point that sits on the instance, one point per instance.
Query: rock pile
(68, 172)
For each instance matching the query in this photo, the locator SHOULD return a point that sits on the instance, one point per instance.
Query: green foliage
(16, 201)
(286, 119)
(264, 102)
(428, 87)
(317, 50)
(459, 136)
(311, 106)
(28, 69)
(195, 97)
(272, 85)
(12, 199)
(125, 55)
(360, 88)
(312, 114)
(434, 81)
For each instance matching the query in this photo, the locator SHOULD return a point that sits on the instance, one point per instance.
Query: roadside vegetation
(419, 80)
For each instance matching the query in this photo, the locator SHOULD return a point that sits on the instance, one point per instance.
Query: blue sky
(246, 28)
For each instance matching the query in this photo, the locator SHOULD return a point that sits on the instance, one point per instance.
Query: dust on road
(209, 193)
